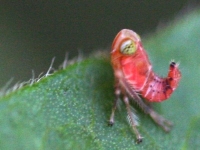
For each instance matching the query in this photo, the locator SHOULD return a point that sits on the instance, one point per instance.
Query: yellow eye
(128, 47)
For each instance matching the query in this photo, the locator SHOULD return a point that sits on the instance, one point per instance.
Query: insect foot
(111, 123)
(139, 140)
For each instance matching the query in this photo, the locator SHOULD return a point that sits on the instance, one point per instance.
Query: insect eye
(128, 47)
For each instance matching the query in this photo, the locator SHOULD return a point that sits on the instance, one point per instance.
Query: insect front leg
(133, 122)
(117, 96)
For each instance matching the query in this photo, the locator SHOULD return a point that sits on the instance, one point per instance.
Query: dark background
(33, 32)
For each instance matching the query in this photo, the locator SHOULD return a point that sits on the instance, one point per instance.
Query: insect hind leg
(165, 124)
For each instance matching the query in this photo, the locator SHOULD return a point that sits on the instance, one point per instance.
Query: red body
(136, 70)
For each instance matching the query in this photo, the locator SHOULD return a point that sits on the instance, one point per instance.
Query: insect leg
(132, 121)
(162, 122)
(165, 124)
(117, 95)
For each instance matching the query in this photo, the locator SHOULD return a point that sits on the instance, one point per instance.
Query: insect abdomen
(158, 89)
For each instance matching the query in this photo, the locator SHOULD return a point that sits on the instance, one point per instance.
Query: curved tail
(158, 89)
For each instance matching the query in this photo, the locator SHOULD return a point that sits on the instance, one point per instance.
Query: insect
(135, 79)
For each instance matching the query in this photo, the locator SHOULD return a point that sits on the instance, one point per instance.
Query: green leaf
(70, 109)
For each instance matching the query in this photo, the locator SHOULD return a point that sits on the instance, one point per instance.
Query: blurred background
(33, 32)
